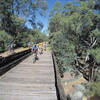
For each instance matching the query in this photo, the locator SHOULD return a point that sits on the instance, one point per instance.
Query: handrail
(8, 62)
(59, 87)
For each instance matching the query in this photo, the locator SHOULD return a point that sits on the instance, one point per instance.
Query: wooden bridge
(28, 81)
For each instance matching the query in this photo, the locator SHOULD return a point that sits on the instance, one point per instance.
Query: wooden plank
(28, 81)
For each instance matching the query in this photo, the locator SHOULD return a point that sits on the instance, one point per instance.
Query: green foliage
(63, 49)
(5, 38)
(38, 36)
(14, 25)
(32, 36)
(55, 24)
(10, 10)
(95, 32)
(96, 53)
(74, 27)
(93, 89)
(56, 9)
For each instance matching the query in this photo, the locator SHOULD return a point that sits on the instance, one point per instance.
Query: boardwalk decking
(28, 81)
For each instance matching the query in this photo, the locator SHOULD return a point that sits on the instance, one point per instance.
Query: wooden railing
(59, 87)
(10, 61)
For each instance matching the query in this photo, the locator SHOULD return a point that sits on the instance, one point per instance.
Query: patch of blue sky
(97, 11)
(51, 3)
(45, 20)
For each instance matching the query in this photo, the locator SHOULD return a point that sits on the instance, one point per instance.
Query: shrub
(5, 38)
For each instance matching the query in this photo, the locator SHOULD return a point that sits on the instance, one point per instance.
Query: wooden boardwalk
(28, 81)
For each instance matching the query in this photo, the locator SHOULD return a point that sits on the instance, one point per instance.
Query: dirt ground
(94, 98)
(68, 86)
(7, 53)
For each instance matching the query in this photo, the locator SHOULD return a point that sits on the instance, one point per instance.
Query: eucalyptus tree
(15, 13)
(58, 8)
(75, 26)
(10, 9)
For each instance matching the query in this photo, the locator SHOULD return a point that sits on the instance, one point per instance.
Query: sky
(45, 20)
(51, 3)
(50, 6)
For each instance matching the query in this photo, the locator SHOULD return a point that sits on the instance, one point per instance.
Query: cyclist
(35, 51)
(40, 48)
(45, 46)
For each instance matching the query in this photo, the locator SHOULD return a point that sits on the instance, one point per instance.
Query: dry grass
(68, 87)
(5, 54)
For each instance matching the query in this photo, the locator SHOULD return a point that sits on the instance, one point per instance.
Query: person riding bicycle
(35, 51)
(45, 46)
(40, 45)
(40, 50)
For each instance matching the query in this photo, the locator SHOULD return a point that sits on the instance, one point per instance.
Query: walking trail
(28, 81)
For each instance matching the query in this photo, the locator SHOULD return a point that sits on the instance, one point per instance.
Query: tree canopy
(14, 14)
(75, 33)
(76, 26)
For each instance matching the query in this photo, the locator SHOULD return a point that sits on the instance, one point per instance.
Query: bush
(96, 53)
(5, 38)
(93, 89)
(64, 51)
